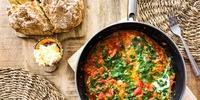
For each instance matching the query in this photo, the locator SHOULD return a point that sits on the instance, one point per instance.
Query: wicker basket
(21, 85)
(188, 12)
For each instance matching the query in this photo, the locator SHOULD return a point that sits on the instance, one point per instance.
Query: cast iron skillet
(156, 34)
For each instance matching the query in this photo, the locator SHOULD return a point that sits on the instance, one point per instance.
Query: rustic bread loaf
(63, 14)
(45, 17)
(29, 19)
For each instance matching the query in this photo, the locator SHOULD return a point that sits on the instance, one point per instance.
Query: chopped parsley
(129, 73)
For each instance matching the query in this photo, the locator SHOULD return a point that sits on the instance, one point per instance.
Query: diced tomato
(112, 81)
(159, 53)
(161, 56)
(100, 80)
(109, 93)
(113, 52)
(90, 68)
(118, 44)
(172, 77)
(98, 44)
(101, 61)
(137, 91)
(139, 83)
(101, 69)
(99, 54)
(148, 58)
(156, 46)
(93, 74)
(160, 68)
(92, 58)
(151, 98)
(121, 93)
(101, 96)
(171, 80)
(113, 43)
(149, 87)
(128, 60)
(109, 81)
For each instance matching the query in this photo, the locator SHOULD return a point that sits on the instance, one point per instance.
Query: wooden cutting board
(73, 33)
(73, 60)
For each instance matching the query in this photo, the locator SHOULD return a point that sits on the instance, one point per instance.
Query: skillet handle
(132, 10)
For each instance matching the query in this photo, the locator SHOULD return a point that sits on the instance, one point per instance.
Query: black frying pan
(156, 34)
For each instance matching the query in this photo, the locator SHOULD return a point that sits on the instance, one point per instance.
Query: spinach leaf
(119, 63)
(104, 53)
(137, 40)
(130, 88)
(130, 67)
(117, 56)
(95, 90)
(105, 74)
(145, 66)
(97, 76)
(97, 65)
(93, 82)
(108, 58)
(130, 97)
(146, 95)
(119, 69)
(132, 56)
(116, 74)
(108, 62)
(156, 98)
(139, 49)
(152, 51)
(146, 77)
(101, 48)
(116, 97)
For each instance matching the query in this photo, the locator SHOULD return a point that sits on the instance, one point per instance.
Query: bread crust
(29, 19)
(63, 14)
(45, 17)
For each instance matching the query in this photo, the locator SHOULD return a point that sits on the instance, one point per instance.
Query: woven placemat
(18, 84)
(188, 12)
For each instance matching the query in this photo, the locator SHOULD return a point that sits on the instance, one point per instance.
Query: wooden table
(18, 53)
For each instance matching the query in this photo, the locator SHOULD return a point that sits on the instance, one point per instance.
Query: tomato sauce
(128, 65)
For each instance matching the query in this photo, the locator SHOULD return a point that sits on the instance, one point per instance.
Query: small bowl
(48, 40)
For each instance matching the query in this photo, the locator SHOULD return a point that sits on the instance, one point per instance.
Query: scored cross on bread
(63, 14)
(45, 17)
(29, 19)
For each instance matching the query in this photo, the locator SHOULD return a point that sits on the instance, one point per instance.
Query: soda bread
(45, 17)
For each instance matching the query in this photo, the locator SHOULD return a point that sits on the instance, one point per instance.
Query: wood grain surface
(18, 53)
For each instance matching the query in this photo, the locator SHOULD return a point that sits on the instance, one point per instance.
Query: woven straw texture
(188, 12)
(19, 84)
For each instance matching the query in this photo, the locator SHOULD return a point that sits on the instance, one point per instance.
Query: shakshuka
(128, 65)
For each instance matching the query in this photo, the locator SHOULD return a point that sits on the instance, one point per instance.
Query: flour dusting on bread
(45, 17)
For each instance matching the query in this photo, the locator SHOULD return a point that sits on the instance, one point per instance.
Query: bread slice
(29, 19)
(63, 14)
